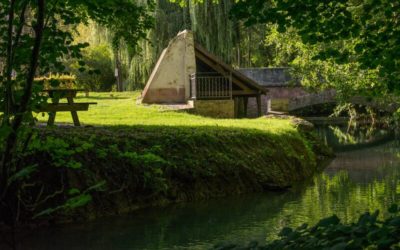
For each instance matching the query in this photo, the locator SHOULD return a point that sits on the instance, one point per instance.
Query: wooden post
(236, 104)
(74, 114)
(52, 115)
(245, 104)
(259, 105)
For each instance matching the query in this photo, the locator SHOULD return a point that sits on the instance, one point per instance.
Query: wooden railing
(210, 86)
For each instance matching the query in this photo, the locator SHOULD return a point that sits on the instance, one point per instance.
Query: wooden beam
(244, 93)
(74, 114)
(236, 105)
(52, 115)
(259, 106)
(245, 104)
(64, 107)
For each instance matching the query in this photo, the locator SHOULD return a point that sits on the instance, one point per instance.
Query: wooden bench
(70, 106)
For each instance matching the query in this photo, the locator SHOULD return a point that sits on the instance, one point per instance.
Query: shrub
(99, 73)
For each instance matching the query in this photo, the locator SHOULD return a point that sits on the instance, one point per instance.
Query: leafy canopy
(371, 26)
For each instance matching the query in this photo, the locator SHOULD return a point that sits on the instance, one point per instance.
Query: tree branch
(7, 103)
(19, 30)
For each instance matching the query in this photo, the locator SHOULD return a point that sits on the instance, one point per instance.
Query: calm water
(364, 176)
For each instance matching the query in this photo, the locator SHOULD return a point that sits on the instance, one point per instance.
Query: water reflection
(350, 138)
(356, 181)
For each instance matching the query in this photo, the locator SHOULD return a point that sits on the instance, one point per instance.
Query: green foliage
(99, 75)
(368, 232)
(72, 203)
(348, 79)
(75, 200)
(369, 30)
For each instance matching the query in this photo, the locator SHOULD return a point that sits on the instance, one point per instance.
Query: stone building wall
(268, 76)
(280, 88)
(252, 110)
(169, 81)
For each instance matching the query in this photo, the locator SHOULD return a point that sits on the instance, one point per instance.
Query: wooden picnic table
(71, 106)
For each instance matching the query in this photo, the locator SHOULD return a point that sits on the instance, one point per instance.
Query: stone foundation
(165, 95)
(215, 108)
(252, 111)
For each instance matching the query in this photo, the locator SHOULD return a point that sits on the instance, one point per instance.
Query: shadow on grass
(176, 130)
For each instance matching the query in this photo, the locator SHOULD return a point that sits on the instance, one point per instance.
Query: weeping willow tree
(209, 22)
(213, 28)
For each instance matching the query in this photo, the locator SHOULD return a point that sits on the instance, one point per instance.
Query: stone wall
(268, 76)
(285, 92)
(280, 96)
(277, 82)
(215, 108)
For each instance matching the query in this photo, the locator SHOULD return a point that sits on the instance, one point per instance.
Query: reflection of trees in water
(355, 181)
(199, 224)
(343, 138)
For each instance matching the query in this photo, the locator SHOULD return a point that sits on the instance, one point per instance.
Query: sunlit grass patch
(122, 109)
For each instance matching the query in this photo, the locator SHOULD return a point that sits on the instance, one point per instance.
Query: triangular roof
(222, 68)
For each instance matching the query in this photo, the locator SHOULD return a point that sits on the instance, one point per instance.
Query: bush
(57, 81)
(99, 73)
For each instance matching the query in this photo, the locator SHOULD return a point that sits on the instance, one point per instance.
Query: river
(363, 177)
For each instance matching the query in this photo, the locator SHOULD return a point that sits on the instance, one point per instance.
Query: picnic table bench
(71, 106)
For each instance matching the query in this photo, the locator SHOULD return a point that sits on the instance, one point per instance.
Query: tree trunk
(9, 65)
(7, 162)
(118, 67)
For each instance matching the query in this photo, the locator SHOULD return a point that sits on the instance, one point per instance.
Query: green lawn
(121, 109)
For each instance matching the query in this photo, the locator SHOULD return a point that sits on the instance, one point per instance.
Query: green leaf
(74, 191)
(22, 174)
(78, 201)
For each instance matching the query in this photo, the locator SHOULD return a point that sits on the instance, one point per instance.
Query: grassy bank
(155, 157)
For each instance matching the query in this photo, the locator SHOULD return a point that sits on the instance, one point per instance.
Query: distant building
(278, 83)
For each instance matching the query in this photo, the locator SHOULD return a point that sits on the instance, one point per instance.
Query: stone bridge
(329, 96)
(287, 94)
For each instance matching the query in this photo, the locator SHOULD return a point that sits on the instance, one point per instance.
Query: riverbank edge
(143, 166)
